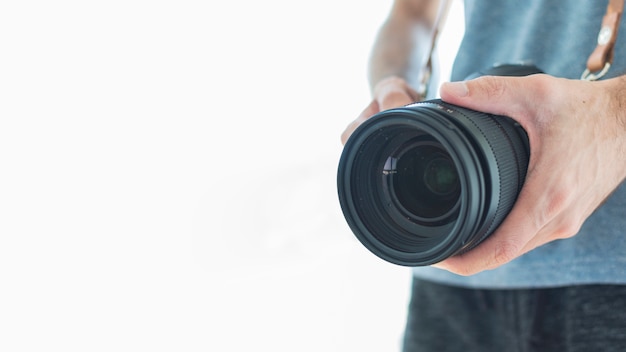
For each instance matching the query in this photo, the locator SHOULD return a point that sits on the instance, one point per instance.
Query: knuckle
(493, 86)
(556, 204)
(568, 229)
(505, 251)
(464, 271)
(395, 98)
(543, 89)
(542, 84)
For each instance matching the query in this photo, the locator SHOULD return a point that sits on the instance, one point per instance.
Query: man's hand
(577, 133)
(391, 92)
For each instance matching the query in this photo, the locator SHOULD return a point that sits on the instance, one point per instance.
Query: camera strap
(600, 60)
(427, 64)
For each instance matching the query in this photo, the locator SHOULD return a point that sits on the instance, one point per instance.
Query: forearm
(396, 58)
(403, 42)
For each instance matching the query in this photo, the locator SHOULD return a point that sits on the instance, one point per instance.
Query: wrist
(617, 94)
(394, 86)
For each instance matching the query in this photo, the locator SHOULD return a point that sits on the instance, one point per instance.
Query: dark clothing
(588, 318)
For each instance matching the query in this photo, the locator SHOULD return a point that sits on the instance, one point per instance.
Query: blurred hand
(391, 92)
(577, 133)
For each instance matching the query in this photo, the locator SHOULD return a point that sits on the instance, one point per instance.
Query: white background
(167, 177)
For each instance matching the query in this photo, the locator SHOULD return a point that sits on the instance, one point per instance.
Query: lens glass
(440, 176)
(425, 181)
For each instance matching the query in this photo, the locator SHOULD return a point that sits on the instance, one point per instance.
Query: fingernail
(456, 88)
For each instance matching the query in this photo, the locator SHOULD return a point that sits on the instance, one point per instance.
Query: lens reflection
(425, 181)
(440, 176)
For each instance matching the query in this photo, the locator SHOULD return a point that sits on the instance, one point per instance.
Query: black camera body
(430, 180)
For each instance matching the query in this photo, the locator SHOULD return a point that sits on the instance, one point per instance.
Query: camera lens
(440, 176)
(424, 182)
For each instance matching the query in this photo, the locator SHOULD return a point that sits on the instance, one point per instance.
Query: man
(553, 275)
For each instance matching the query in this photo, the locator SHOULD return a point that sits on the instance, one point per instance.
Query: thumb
(490, 94)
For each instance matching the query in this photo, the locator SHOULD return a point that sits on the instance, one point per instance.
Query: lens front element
(424, 182)
(440, 176)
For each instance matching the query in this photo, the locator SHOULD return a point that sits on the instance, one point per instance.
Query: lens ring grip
(508, 153)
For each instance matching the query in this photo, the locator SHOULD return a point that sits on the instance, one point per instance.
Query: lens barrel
(424, 182)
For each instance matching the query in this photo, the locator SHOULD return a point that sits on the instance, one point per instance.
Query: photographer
(552, 277)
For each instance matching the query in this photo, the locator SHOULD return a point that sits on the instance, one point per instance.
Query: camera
(431, 180)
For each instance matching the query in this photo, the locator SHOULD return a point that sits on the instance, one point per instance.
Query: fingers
(394, 92)
(542, 213)
(389, 93)
(507, 243)
(370, 110)
(533, 222)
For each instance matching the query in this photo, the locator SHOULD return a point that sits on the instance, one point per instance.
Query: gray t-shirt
(557, 36)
